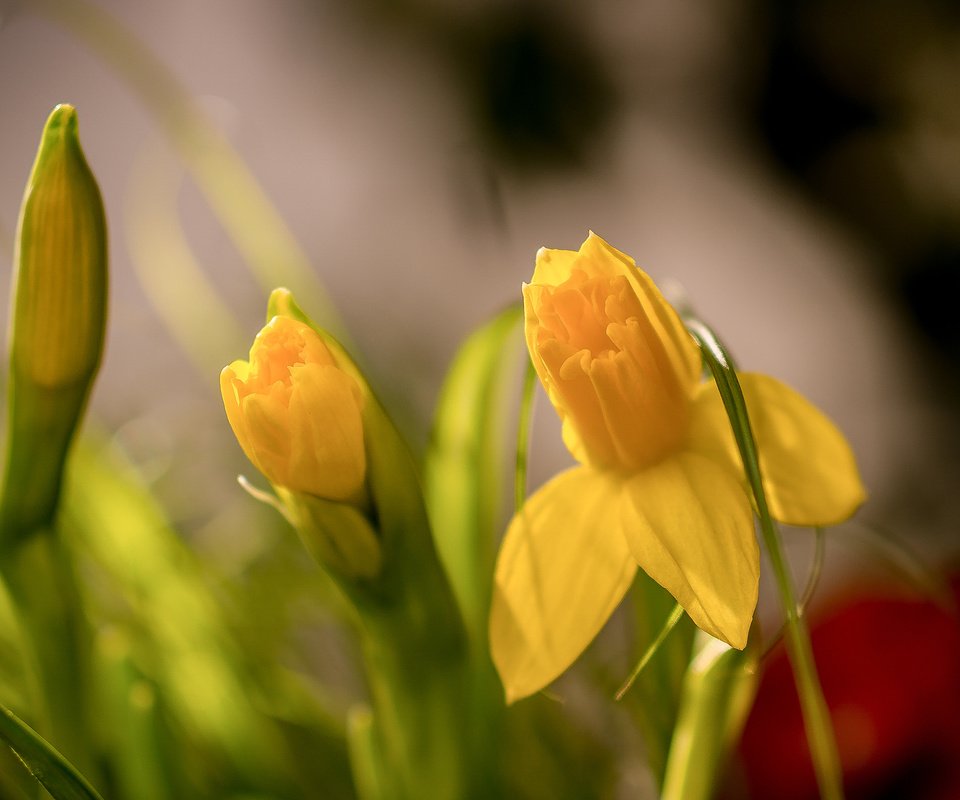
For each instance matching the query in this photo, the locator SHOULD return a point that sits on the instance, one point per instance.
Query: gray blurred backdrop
(794, 166)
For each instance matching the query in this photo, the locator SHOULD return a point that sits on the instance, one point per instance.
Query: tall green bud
(57, 325)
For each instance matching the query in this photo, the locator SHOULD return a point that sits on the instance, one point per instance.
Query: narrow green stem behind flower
(651, 651)
(42, 584)
(816, 715)
(813, 578)
(523, 437)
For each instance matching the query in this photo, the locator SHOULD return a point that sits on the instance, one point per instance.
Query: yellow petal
(232, 378)
(563, 568)
(553, 267)
(809, 473)
(327, 455)
(268, 427)
(689, 525)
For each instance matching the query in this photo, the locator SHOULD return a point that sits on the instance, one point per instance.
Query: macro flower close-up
(659, 485)
(323, 478)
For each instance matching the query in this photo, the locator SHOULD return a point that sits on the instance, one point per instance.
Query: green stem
(523, 437)
(423, 688)
(419, 690)
(651, 651)
(816, 715)
(812, 580)
(42, 589)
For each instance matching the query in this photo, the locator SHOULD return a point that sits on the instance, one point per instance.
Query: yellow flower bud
(297, 414)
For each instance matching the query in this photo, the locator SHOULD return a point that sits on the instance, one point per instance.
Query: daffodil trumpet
(660, 484)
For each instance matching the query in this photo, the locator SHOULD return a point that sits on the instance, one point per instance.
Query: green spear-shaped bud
(58, 317)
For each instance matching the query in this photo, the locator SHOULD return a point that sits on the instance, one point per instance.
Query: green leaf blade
(718, 690)
(463, 473)
(57, 775)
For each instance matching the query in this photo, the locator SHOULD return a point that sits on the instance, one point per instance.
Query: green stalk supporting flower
(306, 417)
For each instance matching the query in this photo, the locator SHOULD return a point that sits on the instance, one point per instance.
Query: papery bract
(660, 484)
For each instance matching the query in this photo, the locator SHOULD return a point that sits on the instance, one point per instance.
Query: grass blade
(57, 775)
(464, 466)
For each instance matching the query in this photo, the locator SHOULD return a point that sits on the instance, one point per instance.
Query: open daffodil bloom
(660, 483)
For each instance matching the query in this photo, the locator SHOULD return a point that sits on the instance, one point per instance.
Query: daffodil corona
(296, 414)
(660, 484)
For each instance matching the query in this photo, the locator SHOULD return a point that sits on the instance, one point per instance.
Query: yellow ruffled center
(624, 405)
(280, 349)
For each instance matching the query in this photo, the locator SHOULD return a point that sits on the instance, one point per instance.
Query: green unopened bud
(61, 277)
(58, 319)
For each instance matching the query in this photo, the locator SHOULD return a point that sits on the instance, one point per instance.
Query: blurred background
(793, 166)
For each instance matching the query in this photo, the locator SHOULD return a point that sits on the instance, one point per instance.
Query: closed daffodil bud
(297, 415)
(58, 321)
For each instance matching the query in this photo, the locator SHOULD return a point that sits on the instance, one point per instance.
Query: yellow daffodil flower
(660, 483)
(296, 414)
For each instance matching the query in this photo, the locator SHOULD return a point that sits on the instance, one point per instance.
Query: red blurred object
(890, 669)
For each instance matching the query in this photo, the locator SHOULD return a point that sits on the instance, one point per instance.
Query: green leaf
(464, 465)
(654, 699)
(149, 586)
(467, 493)
(527, 394)
(55, 773)
(365, 759)
(411, 631)
(718, 690)
(143, 763)
(816, 714)
(652, 649)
